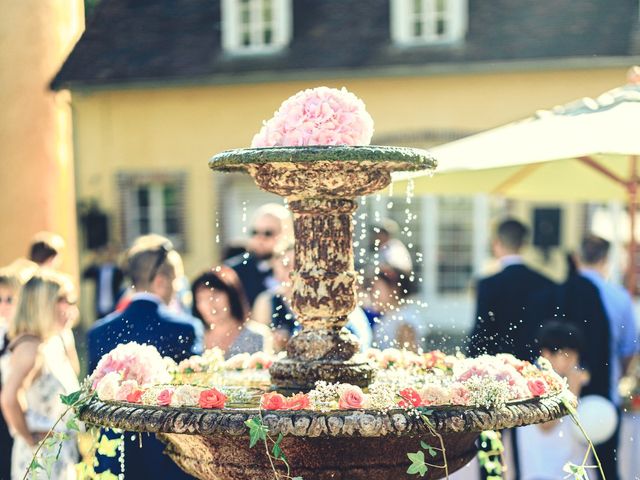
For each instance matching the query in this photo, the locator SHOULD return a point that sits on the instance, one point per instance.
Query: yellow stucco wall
(179, 128)
(36, 154)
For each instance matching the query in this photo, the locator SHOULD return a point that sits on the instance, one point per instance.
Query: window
(256, 26)
(423, 22)
(455, 244)
(152, 203)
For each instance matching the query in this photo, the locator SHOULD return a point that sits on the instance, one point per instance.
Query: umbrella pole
(632, 188)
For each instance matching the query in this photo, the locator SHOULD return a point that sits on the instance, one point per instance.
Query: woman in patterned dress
(38, 371)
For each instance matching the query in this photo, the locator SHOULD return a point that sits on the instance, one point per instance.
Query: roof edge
(433, 69)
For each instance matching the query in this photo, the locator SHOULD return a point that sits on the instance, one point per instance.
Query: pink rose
(108, 386)
(212, 398)
(299, 401)
(164, 397)
(537, 387)
(273, 401)
(351, 398)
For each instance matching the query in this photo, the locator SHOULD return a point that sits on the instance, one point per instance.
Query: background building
(160, 86)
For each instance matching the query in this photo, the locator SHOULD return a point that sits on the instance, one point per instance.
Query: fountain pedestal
(320, 184)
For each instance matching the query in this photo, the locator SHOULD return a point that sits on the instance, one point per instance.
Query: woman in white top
(38, 371)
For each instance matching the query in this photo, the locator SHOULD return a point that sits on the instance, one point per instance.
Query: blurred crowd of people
(585, 325)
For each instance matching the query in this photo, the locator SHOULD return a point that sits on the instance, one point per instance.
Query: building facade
(158, 87)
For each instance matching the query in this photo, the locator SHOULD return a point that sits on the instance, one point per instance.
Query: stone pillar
(324, 279)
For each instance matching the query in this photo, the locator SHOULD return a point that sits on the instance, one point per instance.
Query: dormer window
(428, 22)
(256, 26)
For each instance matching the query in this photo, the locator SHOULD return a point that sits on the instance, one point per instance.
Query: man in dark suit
(154, 267)
(502, 322)
(271, 223)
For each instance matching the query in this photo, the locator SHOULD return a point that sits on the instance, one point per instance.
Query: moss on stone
(397, 158)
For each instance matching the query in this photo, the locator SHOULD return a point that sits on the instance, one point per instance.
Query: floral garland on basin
(406, 380)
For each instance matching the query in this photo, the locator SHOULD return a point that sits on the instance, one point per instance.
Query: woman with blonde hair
(38, 370)
(9, 288)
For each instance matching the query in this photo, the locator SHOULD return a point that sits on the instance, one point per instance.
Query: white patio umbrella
(587, 150)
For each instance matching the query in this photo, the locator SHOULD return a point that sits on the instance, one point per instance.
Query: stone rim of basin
(336, 423)
(391, 158)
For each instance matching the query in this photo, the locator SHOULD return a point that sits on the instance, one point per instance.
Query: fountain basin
(337, 445)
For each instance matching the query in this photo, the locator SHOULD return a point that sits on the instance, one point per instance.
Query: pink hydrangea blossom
(133, 361)
(317, 116)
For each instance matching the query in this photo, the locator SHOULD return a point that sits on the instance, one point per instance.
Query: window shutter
(400, 21)
(123, 223)
(458, 15)
(181, 197)
(283, 22)
(229, 16)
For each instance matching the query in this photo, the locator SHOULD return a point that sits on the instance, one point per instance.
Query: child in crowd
(544, 449)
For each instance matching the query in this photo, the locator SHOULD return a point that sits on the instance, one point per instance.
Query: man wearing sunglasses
(270, 223)
(154, 267)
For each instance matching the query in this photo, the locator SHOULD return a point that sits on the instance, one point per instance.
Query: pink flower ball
(317, 116)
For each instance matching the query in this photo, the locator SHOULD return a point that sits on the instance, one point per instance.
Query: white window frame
(402, 17)
(128, 184)
(282, 27)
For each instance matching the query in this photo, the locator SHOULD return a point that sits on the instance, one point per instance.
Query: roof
(128, 41)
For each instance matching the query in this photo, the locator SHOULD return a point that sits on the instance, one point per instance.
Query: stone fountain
(320, 184)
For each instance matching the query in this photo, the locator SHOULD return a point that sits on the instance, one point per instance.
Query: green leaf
(297, 478)
(432, 451)
(34, 465)
(424, 445)
(257, 431)
(72, 425)
(277, 449)
(71, 399)
(418, 465)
